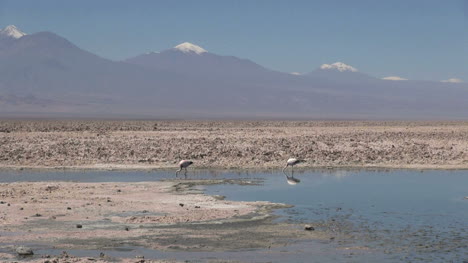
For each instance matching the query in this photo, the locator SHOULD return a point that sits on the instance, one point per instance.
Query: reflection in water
(424, 220)
(405, 214)
(290, 179)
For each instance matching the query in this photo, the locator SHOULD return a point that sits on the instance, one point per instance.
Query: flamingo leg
(177, 172)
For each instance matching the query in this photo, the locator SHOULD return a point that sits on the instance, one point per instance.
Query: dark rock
(68, 208)
(309, 228)
(79, 226)
(182, 205)
(64, 254)
(24, 251)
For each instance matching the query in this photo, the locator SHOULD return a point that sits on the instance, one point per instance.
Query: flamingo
(183, 165)
(291, 162)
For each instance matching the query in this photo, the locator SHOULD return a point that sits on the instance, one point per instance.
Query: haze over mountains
(45, 75)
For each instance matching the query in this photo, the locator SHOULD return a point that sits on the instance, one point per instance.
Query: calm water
(410, 215)
(399, 215)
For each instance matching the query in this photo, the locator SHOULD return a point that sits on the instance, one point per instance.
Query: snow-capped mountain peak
(187, 47)
(453, 80)
(394, 78)
(11, 31)
(340, 66)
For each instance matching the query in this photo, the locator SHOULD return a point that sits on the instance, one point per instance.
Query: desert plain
(232, 144)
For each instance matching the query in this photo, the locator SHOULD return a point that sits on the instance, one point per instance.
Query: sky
(413, 39)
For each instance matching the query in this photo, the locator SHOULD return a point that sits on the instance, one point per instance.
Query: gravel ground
(232, 144)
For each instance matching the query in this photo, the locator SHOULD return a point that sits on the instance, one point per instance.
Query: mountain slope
(193, 60)
(45, 74)
(48, 66)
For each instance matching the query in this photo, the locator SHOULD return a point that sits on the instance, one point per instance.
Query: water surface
(413, 215)
(384, 215)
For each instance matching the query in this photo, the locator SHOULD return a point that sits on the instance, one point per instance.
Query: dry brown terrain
(232, 144)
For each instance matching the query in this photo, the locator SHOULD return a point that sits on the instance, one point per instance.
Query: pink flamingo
(291, 162)
(183, 165)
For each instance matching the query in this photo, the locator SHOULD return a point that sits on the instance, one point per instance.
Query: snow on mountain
(393, 78)
(188, 82)
(339, 72)
(190, 59)
(11, 31)
(187, 47)
(340, 66)
(452, 80)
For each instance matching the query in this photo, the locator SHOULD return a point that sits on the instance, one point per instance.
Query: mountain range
(45, 75)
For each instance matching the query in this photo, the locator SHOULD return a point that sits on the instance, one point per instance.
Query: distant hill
(43, 74)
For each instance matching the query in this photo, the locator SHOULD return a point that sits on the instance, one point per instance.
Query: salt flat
(232, 144)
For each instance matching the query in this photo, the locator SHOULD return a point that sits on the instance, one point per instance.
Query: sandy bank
(68, 204)
(167, 216)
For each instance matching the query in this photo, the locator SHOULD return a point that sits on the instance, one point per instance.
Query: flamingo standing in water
(183, 165)
(291, 162)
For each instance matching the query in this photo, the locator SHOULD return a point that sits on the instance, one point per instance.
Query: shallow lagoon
(385, 215)
(408, 215)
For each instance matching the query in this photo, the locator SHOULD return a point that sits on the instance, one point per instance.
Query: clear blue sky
(415, 39)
